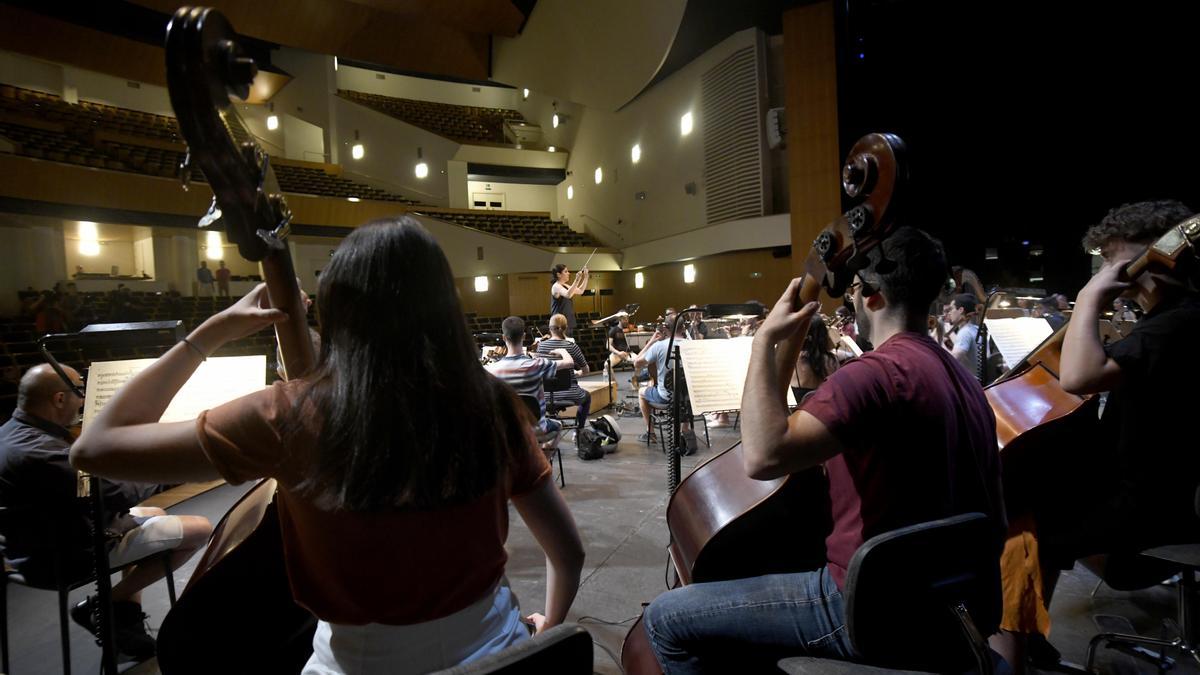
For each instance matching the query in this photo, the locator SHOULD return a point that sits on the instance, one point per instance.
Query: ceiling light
(89, 248)
(685, 124)
(689, 273)
(481, 284)
(638, 280)
(599, 175)
(636, 153)
(570, 192)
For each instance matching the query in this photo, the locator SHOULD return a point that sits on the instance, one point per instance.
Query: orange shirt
(346, 567)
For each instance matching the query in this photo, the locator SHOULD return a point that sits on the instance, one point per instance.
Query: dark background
(1025, 122)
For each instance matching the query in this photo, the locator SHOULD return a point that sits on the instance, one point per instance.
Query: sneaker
(129, 631)
(84, 614)
(648, 438)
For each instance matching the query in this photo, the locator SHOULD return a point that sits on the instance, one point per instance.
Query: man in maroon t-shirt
(905, 434)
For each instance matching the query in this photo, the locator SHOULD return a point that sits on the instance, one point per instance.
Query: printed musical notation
(218, 380)
(1016, 337)
(716, 373)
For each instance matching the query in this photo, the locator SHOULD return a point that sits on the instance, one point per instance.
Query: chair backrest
(902, 586)
(560, 381)
(564, 650)
(532, 405)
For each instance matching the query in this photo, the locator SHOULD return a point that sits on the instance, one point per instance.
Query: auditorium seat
(535, 230)
(466, 124)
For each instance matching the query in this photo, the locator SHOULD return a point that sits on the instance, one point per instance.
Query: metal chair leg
(169, 577)
(64, 627)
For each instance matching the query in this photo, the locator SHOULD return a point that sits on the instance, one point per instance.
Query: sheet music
(1015, 338)
(218, 380)
(716, 373)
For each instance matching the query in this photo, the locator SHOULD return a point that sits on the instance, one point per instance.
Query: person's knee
(196, 531)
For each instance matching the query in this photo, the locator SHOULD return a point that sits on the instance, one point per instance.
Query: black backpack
(587, 443)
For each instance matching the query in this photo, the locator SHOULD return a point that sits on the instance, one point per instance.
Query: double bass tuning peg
(240, 69)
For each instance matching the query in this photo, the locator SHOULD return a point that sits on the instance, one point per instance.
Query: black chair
(1182, 559)
(64, 584)
(920, 599)
(535, 409)
(560, 382)
(564, 650)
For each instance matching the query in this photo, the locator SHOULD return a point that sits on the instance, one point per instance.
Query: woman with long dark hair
(396, 458)
(817, 360)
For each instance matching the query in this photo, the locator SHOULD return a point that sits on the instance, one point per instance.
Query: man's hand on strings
(786, 320)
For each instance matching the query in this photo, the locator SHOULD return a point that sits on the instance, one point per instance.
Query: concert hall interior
(681, 334)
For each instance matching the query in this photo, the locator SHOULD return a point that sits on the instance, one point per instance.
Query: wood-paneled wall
(814, 161)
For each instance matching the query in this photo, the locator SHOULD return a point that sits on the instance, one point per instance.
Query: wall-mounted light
(356, 150)
(570, 192)
(335, 64)
(554, 120)
(599, 174)
(639, 281)
(481, 284)
(272, 119)
(212, 245)
(550, 149)
(89, 239)
(689, 273)
(421, 169)
(636, 153)
(557, 118)
(685, 124)
(524, 94)
(353, 199)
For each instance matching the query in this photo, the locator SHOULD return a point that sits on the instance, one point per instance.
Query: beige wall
(119, 253)
(724, 278)
(492, 302)
(518, 196)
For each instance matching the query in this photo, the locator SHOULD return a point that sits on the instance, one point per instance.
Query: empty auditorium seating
(528, 229)
(105, 137)
(466, 124)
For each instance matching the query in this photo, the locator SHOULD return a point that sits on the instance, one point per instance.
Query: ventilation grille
(731, 99)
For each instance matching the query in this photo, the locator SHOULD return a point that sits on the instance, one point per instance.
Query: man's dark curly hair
(1140, 222)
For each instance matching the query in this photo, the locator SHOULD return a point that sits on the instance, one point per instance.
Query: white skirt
(486, 627)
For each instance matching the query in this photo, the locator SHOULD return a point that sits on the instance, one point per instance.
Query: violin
(725, 525)
(238, 603)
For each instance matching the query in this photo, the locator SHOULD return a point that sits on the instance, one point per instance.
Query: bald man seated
(43, 516)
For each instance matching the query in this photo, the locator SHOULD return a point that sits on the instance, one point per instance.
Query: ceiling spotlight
(550, 149)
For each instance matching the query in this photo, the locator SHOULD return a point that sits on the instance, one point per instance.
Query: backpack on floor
(587, 444)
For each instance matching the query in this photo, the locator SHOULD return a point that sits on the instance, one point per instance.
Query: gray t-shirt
(967, 348)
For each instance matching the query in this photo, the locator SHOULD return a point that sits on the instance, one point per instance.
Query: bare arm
(566, 362)
(550, 521)
(127, 442)
(1086, 368)
(774, 444)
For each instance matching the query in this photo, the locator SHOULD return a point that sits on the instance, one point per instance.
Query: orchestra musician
(562, 292)
(961, 341)
(817, 360)
(1133, 484)
(393, 503)
(935, 457)
(576, 395)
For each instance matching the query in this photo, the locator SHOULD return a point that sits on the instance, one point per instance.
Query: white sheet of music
(1015, 338)
(716, 373)
(218, 380)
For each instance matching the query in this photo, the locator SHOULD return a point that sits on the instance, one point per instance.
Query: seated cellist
(904, 432)
(1134, 486)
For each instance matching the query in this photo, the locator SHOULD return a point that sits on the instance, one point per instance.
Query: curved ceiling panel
(599, 54)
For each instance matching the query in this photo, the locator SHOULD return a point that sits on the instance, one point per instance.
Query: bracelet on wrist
(201, 354)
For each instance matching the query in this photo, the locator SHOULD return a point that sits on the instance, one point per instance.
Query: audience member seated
(396, 501)
(576, 395)
(48, 523)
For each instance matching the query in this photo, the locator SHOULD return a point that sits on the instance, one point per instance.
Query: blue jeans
(748, 624)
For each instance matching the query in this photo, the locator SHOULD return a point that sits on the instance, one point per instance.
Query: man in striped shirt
(525, 372)
(575, 395)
